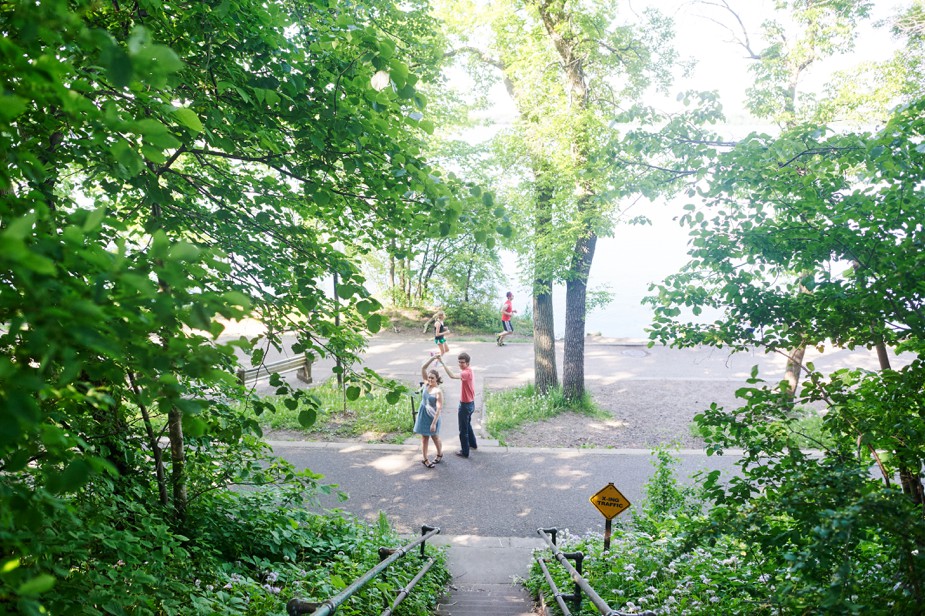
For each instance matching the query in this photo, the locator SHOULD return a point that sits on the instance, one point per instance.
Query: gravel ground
(644, 414)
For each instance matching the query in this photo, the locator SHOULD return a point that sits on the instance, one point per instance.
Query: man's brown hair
(464, 357)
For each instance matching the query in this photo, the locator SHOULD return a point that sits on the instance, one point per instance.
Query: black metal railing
(415, 397)
(581, 584)
(387, 556)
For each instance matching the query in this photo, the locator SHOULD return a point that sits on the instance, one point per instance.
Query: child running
(440, 333)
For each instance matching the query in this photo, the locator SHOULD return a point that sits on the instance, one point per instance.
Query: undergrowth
(370, 416)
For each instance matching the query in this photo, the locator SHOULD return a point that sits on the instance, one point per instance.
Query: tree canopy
(170, 165)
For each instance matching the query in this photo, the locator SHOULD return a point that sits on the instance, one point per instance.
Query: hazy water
(626, 264)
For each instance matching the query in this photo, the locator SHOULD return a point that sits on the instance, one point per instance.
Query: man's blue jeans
(466, 435)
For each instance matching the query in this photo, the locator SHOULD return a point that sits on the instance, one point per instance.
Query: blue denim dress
(424, 419)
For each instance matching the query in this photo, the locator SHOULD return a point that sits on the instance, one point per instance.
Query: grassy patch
(509, 409)
(369, 418)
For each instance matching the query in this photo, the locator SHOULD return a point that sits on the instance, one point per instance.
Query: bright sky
(722, 65)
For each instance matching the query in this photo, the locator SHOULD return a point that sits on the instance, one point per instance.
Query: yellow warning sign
(610, 502)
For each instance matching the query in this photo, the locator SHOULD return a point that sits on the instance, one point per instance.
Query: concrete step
(487, 600)
(486, 575)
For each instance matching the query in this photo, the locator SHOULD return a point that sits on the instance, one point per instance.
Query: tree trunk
(469, 268)
(392, 281)
(794, 370)
(576, 294)
(545, 372)
(177, 465)
(909, 476)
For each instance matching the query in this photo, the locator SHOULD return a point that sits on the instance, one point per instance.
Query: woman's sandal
(438, 459)
(428, 463)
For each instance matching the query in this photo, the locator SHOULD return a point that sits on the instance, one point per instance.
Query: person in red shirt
(466, 403)
(507, 326)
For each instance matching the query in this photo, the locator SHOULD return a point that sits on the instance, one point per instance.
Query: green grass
(511, 408)
(370, 417)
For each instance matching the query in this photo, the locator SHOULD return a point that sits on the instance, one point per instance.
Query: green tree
(167, 164)
(842, 209)
(569, 179)
(795, 39)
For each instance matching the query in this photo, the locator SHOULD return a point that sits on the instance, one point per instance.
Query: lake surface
(625, 264)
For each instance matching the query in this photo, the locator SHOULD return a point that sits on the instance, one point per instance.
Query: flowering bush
(671, 557)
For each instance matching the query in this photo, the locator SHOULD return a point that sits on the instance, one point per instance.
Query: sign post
(610, 503)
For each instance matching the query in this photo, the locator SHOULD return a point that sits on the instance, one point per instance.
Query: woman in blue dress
(428, 420)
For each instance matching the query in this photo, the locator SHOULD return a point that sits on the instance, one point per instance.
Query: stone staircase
(486, 573)
(488, 600)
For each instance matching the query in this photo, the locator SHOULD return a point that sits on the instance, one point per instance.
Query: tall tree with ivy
(562, 148)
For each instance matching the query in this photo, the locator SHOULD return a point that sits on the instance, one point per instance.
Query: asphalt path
(510, 492)
(496, 492)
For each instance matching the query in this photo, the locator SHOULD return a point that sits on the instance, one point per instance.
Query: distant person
(507, 326)
(440, 333)
(427, 423)
(466, 404)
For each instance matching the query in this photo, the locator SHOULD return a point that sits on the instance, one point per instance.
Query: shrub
(336, 416)
(822, 545)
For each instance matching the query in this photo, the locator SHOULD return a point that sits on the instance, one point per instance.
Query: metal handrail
(413, 395)
(387, 557)
(581, 584)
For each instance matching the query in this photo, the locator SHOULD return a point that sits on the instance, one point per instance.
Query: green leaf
(353, 392)
(346, 291)
(398, 72)
(194, 426)
(188, 118)
(161, 58)
(149, 127)
(307, 418)
(73, 478)
(365, 307)
(41, 583)
(155, 155)
(119, 66)
(8, 565)
(94, 219)
(127, 157)
(374, 323)
(236, 298)
(11, 107)
(165, 142)
(21, 227)
(183, 251)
